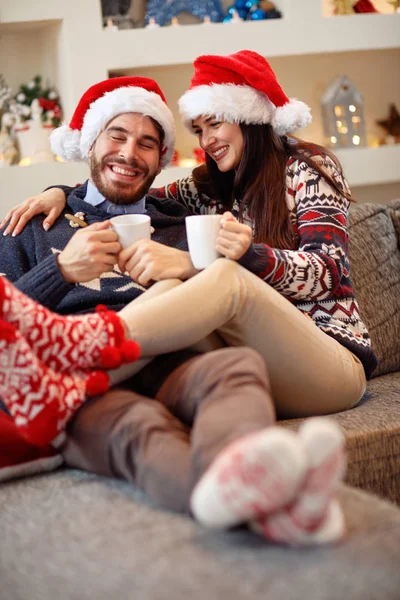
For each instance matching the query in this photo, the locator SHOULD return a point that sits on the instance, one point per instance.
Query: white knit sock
(253, 476)
(283, 529)
(313, 517)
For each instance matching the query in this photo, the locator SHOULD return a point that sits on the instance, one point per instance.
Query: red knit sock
(40, 400)
(67, 343)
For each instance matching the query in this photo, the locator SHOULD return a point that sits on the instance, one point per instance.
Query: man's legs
(132, 437)
(245, 466)
(310, 372)
(224, 395)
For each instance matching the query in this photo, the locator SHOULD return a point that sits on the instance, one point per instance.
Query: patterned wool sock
(67, 343)
(313, 517)
(254, 475)
(279, 528)
(40, 400)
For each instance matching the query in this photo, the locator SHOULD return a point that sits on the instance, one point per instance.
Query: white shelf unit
(67, 44)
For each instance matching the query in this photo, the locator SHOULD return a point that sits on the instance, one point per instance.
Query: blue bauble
(240, 5)
(227, 19)
(251, 4)
(242, 13)
(258, 15)
(164, 10)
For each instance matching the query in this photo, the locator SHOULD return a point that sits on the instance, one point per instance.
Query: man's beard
(120, 193)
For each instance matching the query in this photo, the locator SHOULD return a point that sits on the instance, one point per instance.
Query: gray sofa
(70, 535)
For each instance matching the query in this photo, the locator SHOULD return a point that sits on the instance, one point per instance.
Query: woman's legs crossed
(311, 373)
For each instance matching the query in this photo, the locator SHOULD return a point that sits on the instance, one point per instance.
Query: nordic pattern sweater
(316, 276)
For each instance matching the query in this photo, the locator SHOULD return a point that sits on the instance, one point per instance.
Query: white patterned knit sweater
(315, 277)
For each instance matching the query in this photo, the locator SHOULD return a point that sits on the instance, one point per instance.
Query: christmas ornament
(5, 92)
(251, 3)
(241, 5)
(343, 114)
(364, 6)
(395, 4)
(258, 15)
(392, 123)
(343, 7)
(32, 98)
(111, 8)
(175, 159)
(76, 220)
(152, 24)
(164, 10)
(272, 13)
(110, 25)
(8, 150)
(200, 155)
(238, 9)
(233, 17)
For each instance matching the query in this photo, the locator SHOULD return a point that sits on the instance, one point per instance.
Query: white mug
(131, 228)
(202, 232)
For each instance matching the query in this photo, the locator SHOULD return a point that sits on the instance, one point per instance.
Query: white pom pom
(293, 115)
(65, 142)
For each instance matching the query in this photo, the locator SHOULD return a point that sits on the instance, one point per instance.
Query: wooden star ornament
(392, 123)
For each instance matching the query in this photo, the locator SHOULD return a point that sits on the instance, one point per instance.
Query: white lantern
(343, 115)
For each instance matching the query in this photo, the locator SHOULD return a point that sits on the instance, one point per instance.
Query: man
(124, 128)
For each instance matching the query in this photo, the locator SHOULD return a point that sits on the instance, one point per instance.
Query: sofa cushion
(74, 536)
(372, 430)
(375, 272)
(394, 209)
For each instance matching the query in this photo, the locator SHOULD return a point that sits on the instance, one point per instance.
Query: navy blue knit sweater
(30, 259)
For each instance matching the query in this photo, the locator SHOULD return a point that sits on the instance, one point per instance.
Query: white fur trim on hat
(65, 143)
(242, 104)
(293, 115)
(72, 144)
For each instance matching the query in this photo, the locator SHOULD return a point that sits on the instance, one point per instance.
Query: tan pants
(165, 444)
(310, 372)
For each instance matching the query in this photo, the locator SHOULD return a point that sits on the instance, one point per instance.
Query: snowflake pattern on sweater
(316, 276)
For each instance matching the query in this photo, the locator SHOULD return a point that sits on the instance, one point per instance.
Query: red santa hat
(104, 101)
(241, 88)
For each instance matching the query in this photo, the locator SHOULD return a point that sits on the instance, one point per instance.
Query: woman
(285, 208)
(285, 205)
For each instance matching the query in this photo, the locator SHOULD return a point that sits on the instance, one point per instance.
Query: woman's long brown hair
(259, 182)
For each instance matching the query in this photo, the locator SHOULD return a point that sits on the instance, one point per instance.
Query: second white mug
(202, 232)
